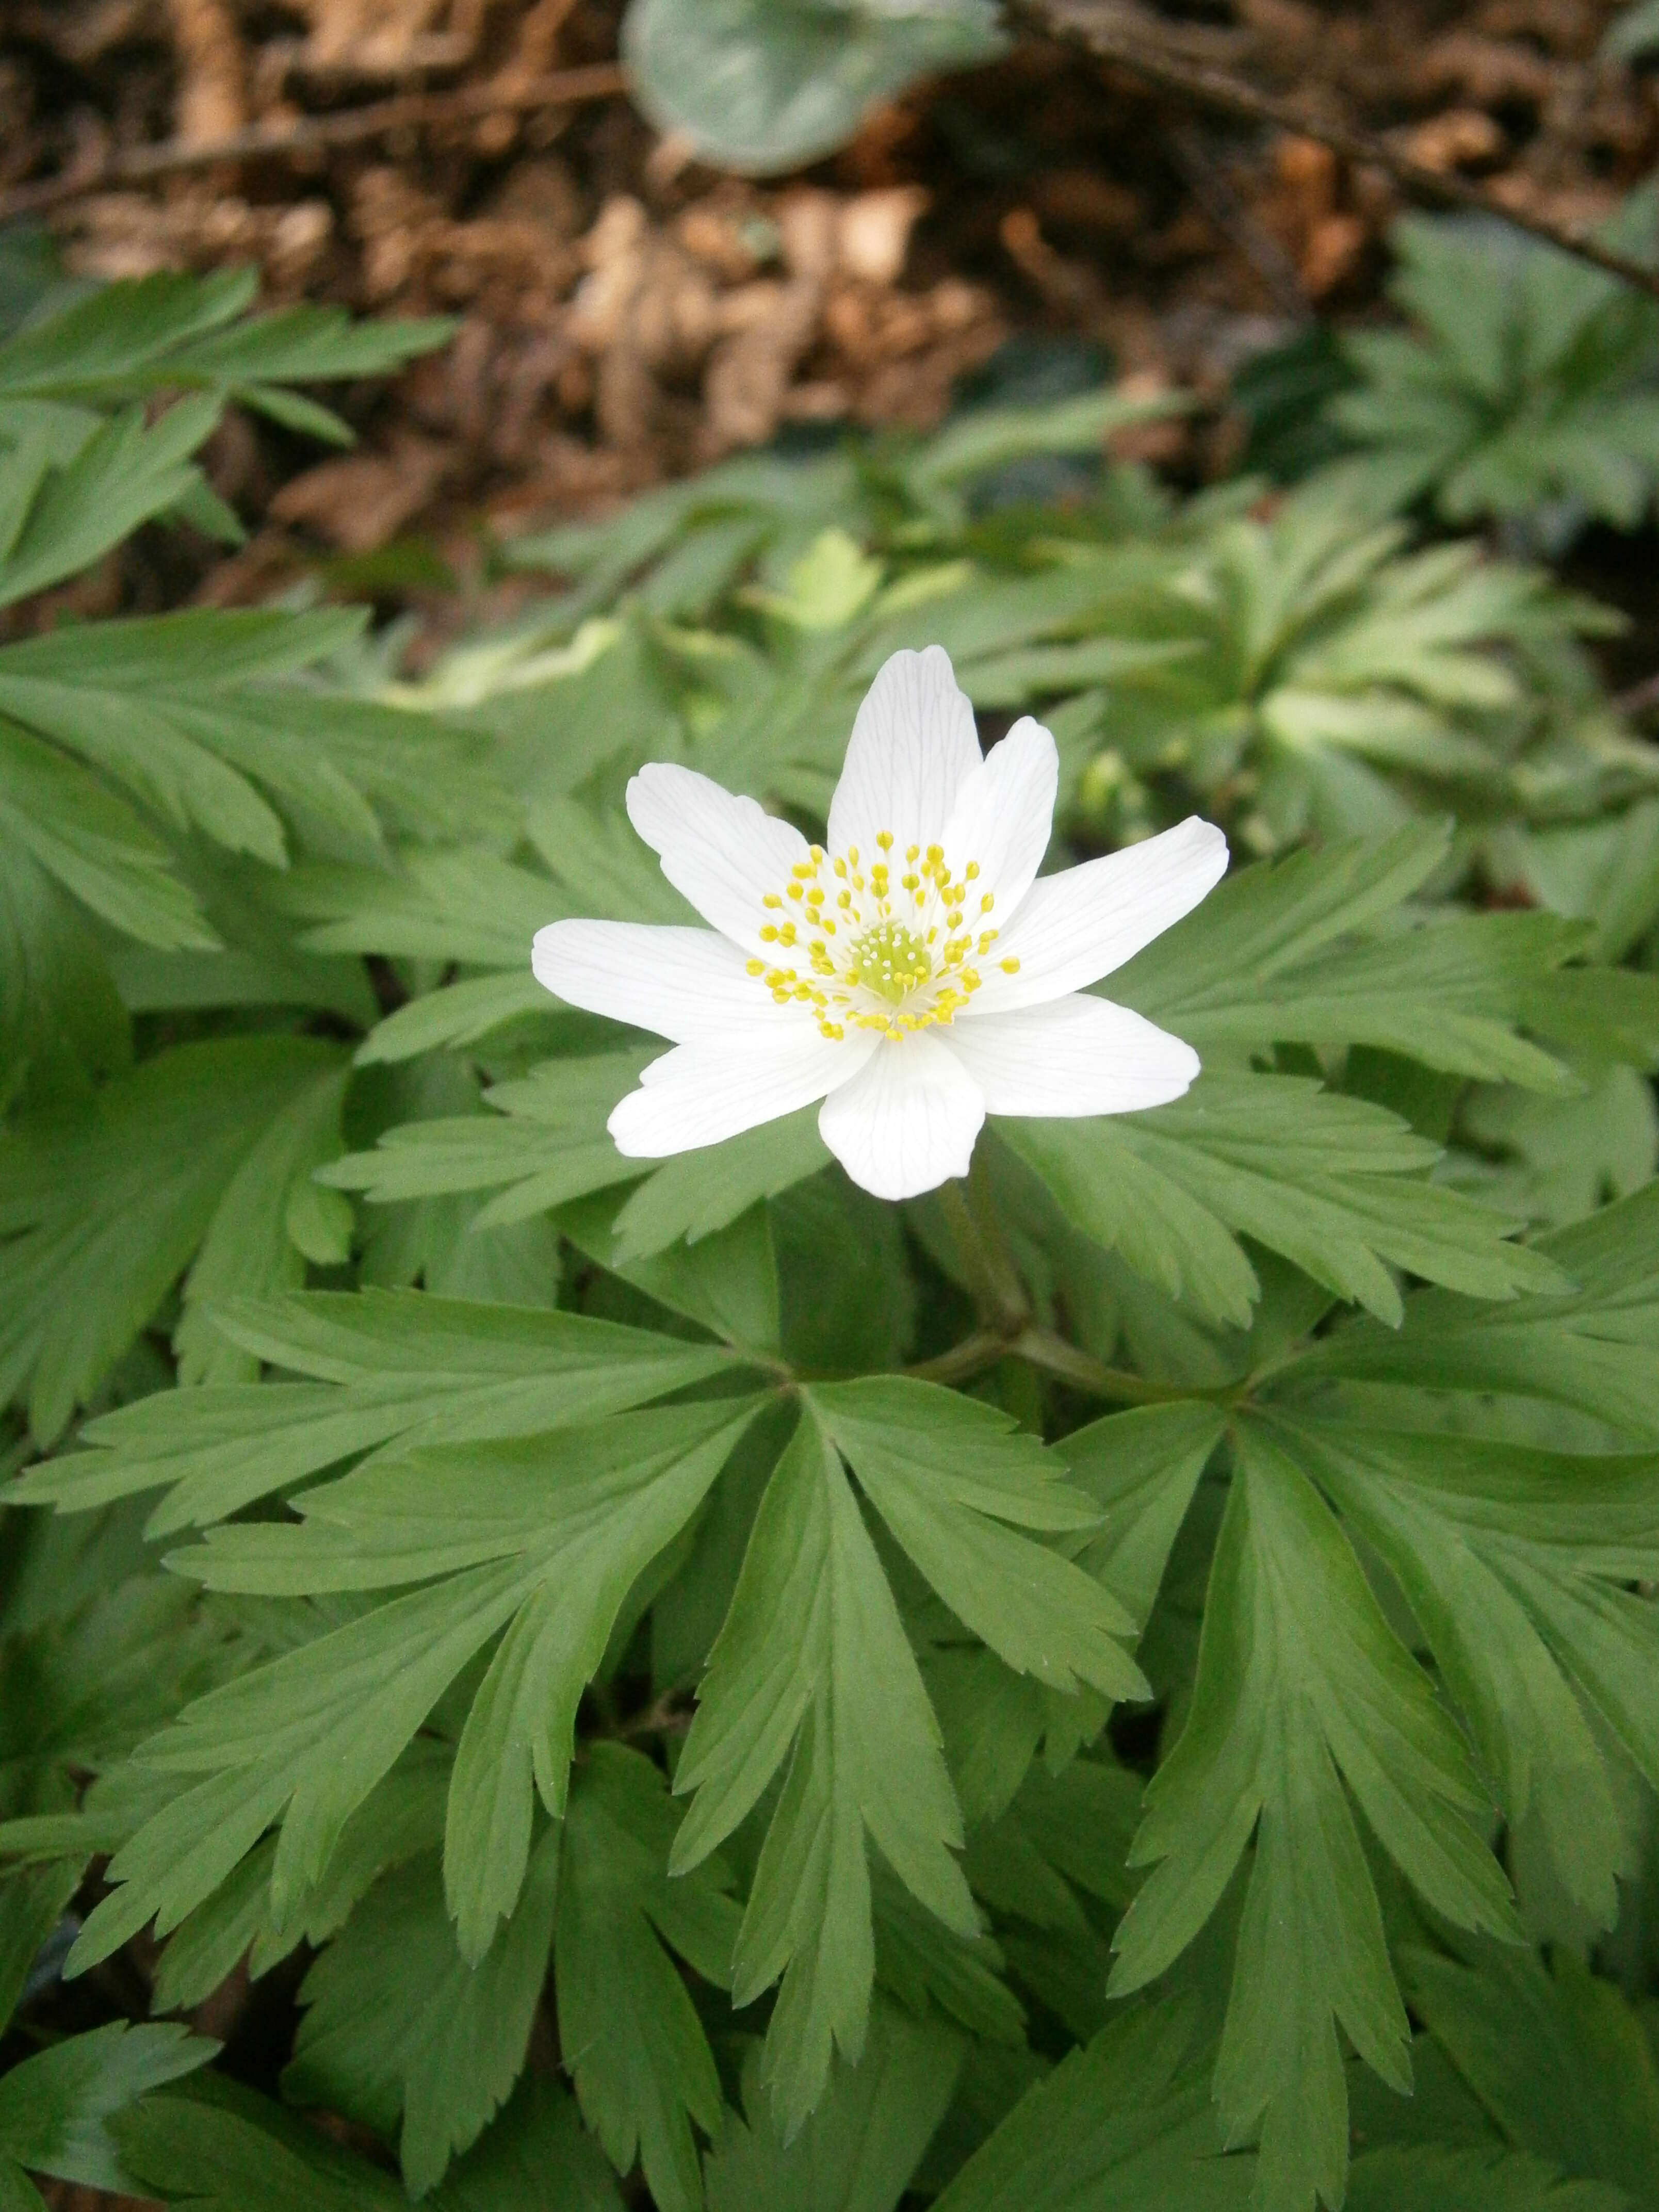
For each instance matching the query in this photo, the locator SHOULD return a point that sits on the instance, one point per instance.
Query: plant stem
(1041, 1348)
(1003, 1305)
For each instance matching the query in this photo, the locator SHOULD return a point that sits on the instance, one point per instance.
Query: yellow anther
(829, 925)
(769, 935)
(772, 900)
(884, 839)
(969, 979)
(954, 920)
(817, 851)
(804, 870)
(1009, 967)
(755, 967)
(910, 881)
(936, 853)
(971, 870)
(986, 904)
(815, 896)
(781, 997)
(851, 856)
(787, 935)
(843, 900)
(841, 869)
(988, 937)
(911, 852)
(796, 892)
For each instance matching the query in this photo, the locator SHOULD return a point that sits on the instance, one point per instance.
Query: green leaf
(1435, 2179)
(1559, 2059)
(1141, 1469)
(696, 1193)
(1124, 2125)
(108, 1200)
(69, 514)
(220, 2146)
(535, 2155)
(864, 2141)
(392, 1366)
(1332, 1182)
(642, 2066)
(271, 1219)
(765, 88)
(552, 1146)
(1592, 1347)
(399, 2026)
(1302, 1688)
(813, 1655)
(1513, 1560)
(956, 1483)
(560, 1528)
(54, 2106)
(32, 1902)
(1280, 953)
(95, 846)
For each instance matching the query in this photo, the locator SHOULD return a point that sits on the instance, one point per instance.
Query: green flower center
(891, 961)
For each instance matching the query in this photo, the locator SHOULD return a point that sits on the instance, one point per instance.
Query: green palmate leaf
(1124, 2125)
(221, 2147)
(390, 1366)
(1447, 2181)
(224, 2148)
(108, 1201)
(863, 2143)
(1557, 2057)
(190, 713)
(58, 516)
(1525, 383)
(562, 1527)
(402, 1817)
(399, 2026)
(954, 1483)
(1303, 1688)
(536, 2154)
(464, 906)
(1512, 1560)
(55, 2105)
(168, 332)
(642, 2066)
(93, 846)
(60, 1017)
(1591, 1348)
(1141, 1469)
(1334, 1183)
(551, 1147)
(1281, 953)
(32, 1902)
(813, 1656)
(1062, 1834)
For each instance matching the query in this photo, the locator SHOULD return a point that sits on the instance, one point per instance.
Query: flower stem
(1003, 1305)
(1041, 1348)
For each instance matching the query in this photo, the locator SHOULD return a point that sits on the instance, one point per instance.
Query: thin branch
(962, 1361)
(1041, 1348)
(1111, 33)
(311, 134)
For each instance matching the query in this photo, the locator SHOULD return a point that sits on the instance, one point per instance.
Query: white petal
(1074, 1056)
(1074, 927)
(913, 747)
(908, 1121)
(680, 983)
(722, 853)
(700, 1094)
(1002, 817)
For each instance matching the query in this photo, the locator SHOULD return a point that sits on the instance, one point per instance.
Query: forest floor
(626, 315)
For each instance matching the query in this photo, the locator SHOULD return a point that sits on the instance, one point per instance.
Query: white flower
(913, 974)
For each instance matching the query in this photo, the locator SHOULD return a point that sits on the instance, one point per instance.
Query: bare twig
(1112, 32)
(142, 165)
